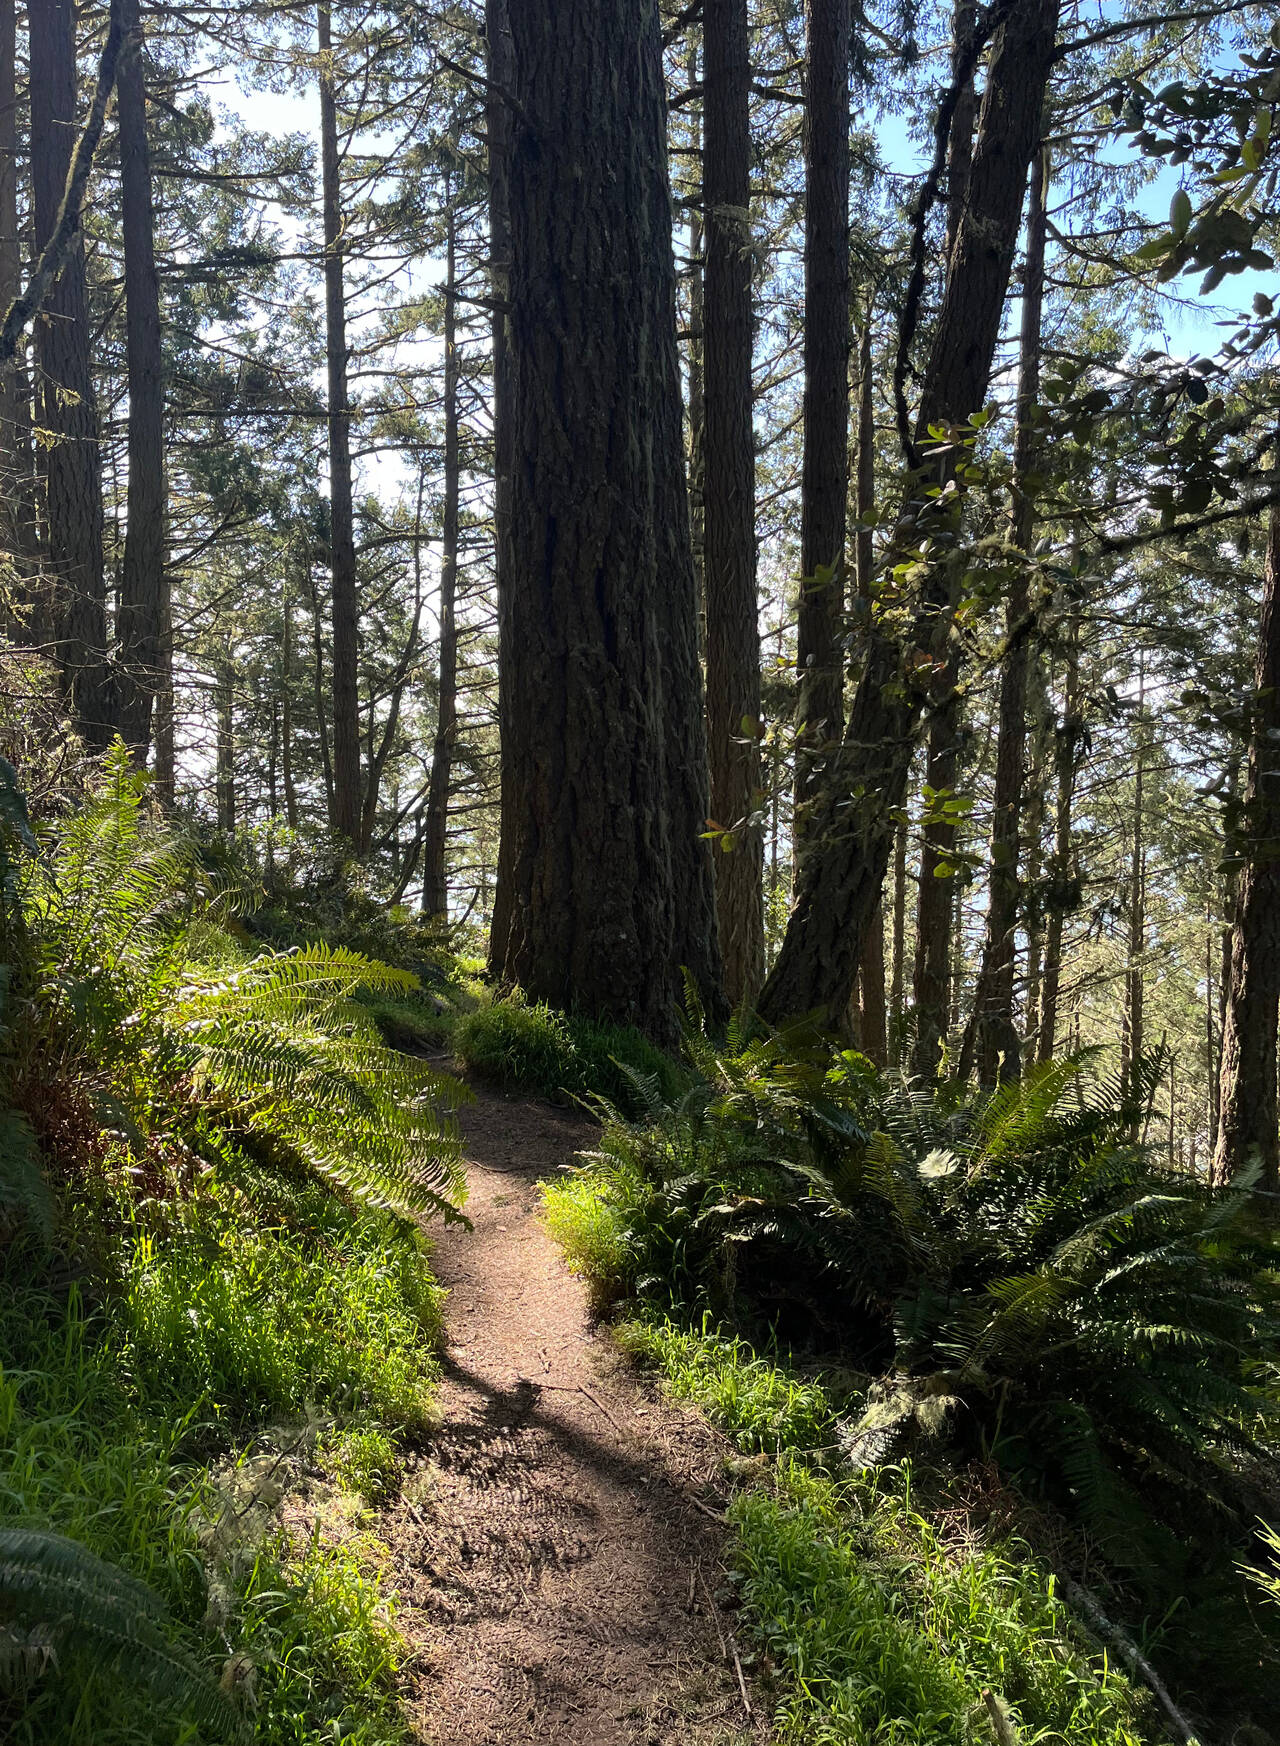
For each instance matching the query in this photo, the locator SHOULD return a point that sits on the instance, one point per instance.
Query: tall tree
(824, 488)
(729, 498)
(66, 401)
(16, 508)
(931, 977)
(435, 886)
(612, 889)
(993, 1037)
(143, 614)
(347, 795)
(841, 877)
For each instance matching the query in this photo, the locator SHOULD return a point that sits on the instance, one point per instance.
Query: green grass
(534, 1049)
(764, 1404)
(201, 1328)
(886, 1634)
(582, 1211)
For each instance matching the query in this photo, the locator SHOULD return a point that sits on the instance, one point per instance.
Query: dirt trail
(557, 1573)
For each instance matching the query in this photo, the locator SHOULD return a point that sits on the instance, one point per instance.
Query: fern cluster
(1030, 1277)
(273, 1053)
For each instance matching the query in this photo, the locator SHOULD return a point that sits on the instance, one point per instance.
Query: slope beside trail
(556, 1546)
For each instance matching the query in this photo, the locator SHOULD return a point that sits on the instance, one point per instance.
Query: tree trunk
(166, 772)
(996, 1048)
(286, 713)
(897, 987)
(67, 409)
(695, 355)
(1058, 899)
(936, 897)
(17, 476)
(873, 1037)
(142, 581)
(226, 750)
(435, 884)
(1133, 1034)
(840, 877)
(501, 74)
(612, 889)
(824, 488)
(733, 630)
(346, 810)
(1249, 1122)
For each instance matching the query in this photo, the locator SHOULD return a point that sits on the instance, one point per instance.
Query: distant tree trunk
(897, 988)
(346, 811)
(17, 481)
(993, 1036)
(1133, 1034)
(67, 408)
(501, 73)
(612, 889)
(935, 900)
(824, 487)
(226, 749)
(873, 1037)
(166, 773)
(142, 580)
(435, 884)
(729, 501)
(1067, 740)
(841, 876)
(1249, 1121)
(286, 713)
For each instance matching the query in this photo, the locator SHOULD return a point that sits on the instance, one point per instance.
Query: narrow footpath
(558, 1550)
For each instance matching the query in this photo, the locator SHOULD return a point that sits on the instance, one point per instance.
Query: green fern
(77, 1601)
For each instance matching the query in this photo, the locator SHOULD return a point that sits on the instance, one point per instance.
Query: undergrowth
(528, 1047)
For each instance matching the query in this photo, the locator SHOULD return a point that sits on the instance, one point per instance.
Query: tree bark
(435, 884)
(142, 616)
(1067, 738)
(873, 1038)
(17, 475)
(995, 1045)
(1133, 1034)
(729, 500)
(1249, 1122)
(824, 487)
(226, 749)
(612, 887)
(346, 818)
(897, 986)
(935, 898)
(840, 878)
(501, 74)
(67, 408)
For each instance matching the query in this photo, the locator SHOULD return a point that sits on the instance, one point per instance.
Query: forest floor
(557, 1547)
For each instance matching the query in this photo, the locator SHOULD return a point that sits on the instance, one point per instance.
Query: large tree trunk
(612, 887)
(142, 582)
(935, 898)
(67, 409)
(824, 488)
(435, 884)
(347, 794)
(1249, 1121)
(995, 1046)
(1133, 1029)
(729, 498)
(497, 31)
(841, 876)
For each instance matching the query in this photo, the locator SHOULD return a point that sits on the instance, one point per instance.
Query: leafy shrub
(533, 1048)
